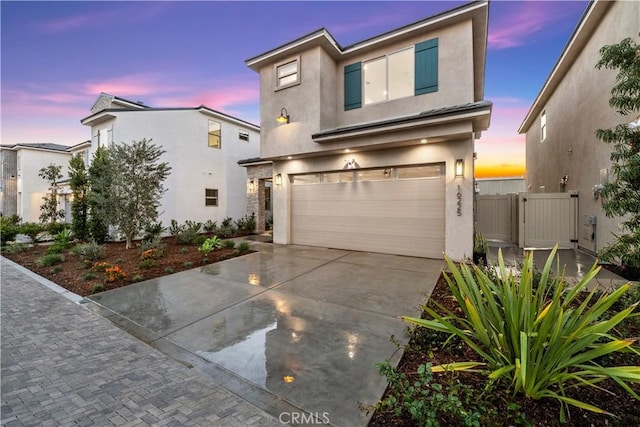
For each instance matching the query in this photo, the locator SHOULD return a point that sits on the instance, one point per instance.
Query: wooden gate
(547, 219)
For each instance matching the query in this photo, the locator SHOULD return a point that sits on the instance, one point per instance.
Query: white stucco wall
(183, 134)
(31, 188)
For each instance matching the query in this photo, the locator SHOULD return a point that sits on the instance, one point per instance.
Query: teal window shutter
(353, 86)
(426, 67)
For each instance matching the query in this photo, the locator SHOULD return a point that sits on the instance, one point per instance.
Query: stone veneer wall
(255, 200)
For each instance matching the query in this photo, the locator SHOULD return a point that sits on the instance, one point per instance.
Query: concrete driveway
(296, 331)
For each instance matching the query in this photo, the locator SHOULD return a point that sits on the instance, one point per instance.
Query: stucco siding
(455, 77)
(195, 166)
(576, 108)
(31, 187)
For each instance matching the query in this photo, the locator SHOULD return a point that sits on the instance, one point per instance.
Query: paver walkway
(64, 365)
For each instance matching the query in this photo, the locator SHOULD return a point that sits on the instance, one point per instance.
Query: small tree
(100, 178)
(49, 209)
(137, 186)
(622, 195)
(79, 182)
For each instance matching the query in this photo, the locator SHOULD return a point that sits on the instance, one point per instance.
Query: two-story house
(372, 144)
(202, 147)
(21, 188)
(562, 151)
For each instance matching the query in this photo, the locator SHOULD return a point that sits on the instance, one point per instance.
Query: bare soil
(75, 275)
(427, 347)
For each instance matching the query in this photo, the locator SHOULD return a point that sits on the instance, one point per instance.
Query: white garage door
(396, 210)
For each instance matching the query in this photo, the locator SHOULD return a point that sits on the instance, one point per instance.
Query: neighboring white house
(563, 153)
(373, 144)
(22, 189)
(202, 147)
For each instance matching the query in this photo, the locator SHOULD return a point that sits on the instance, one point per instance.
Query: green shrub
(480, 245)
(8, 229)
(154, 243)
(168, 270)
(137, 278)
(227, 231)
(543, 341)
(55, 227)
(243, 247)
(210, 226)
(57, 269)
(227, 221)
(187, 264)
(200, 239)
(147, 263)
(97, 288)
(184, 250)
(153, 231)
(90, 251)
(64, 237)
(88, 276)
(49, 260)
(247, 224)
(210, 244)
(15, 248)
(56, 248)
(229, 244)
(187, 233)
(33, 230)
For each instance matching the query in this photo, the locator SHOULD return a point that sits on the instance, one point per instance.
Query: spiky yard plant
(541, 339)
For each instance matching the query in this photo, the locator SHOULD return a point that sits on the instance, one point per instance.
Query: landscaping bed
(82, 277)
(468, 398)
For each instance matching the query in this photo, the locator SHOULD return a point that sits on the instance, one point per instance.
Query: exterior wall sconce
(251, 186)
(278, 179)
(459, 168)
(284, 116)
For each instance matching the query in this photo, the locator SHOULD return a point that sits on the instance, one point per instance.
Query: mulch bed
(69, 274)
(544, 412)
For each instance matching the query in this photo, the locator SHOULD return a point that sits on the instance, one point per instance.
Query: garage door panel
(410, 209)
(403, 217)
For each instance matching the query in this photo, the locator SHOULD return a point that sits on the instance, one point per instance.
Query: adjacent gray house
(562, 151)
(372, 144)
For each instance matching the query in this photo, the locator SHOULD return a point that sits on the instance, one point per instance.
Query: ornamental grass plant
(543, 340)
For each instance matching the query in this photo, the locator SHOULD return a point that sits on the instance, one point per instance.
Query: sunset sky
(56, 58)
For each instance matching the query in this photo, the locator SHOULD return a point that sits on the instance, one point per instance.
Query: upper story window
(543, 126)
(389, 77)
(288, 73)
(411, 71)
(215, 134)
(103, 137)
(243, 135)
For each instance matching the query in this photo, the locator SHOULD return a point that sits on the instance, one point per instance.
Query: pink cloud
(517, 26)
(130, 85)
(37, 102)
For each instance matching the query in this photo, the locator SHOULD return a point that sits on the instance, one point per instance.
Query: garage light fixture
(459, 168)
(284, 116)
(251, 186)
(278, 180)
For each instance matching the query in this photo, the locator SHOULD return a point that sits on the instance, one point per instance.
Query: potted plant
(479, 248)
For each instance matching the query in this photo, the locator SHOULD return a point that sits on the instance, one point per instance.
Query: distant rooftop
(39, 146)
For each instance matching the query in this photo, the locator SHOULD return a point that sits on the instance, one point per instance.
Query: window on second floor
(411, 71)
(288, 73)
(243, 135)
(389, 77)
(543, 126)
(215, 134)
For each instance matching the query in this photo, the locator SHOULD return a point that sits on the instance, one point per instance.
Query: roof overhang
(255, 161)
(99, 117)
(479, 113)
(581, 35)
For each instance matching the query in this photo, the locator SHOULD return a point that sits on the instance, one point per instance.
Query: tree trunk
(129, 243)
